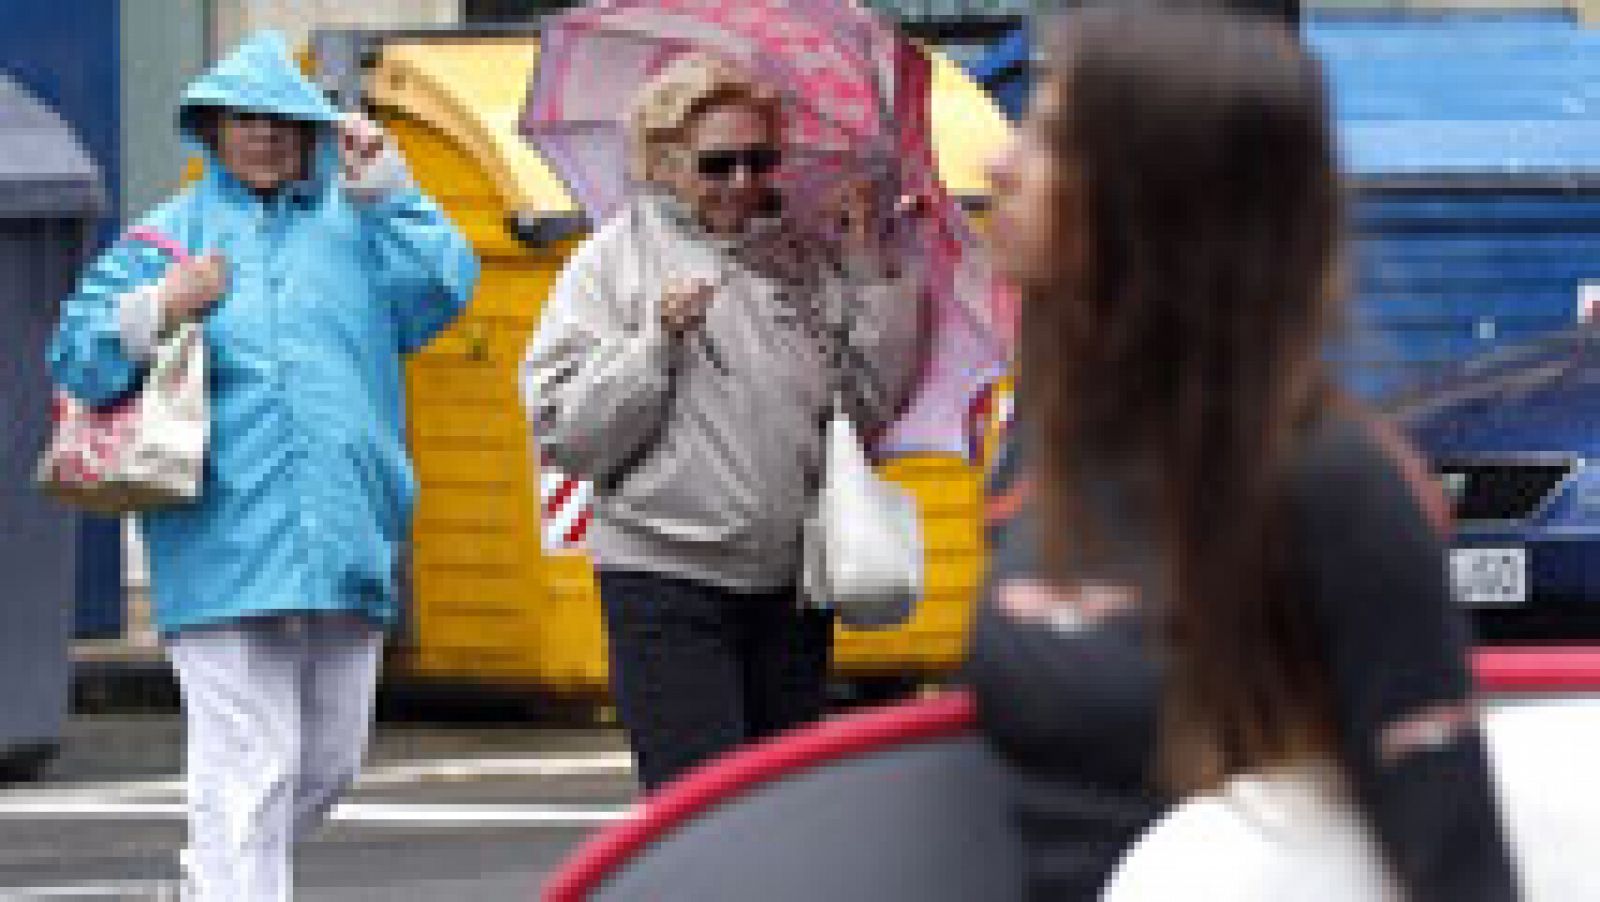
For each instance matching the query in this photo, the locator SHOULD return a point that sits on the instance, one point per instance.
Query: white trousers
(278, 712)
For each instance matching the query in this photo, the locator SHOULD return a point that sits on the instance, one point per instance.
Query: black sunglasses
(719, 165)
(255, 117)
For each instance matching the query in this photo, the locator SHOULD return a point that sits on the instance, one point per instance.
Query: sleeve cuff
(384, 178)
(139, 322)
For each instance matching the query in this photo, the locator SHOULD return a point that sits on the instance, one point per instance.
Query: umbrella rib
(575, 31)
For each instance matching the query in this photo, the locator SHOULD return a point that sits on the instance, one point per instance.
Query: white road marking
(450, 770)
(163, 800)
(350, 812)
(413, 813)
(477, 768)
(73, 809)
(129, 889)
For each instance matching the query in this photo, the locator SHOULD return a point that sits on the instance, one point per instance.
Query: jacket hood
(260, 76)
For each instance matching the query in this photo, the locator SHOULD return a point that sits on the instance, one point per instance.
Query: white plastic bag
(863, 540)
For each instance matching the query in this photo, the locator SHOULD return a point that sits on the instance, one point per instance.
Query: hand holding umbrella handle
(683, 310)
(863, 228)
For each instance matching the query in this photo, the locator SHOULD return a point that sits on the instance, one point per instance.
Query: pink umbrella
(857, 101)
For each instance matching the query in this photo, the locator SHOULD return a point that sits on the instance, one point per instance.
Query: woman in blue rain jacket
(315, 265)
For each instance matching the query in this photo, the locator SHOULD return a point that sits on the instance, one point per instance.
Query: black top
(1074, 712)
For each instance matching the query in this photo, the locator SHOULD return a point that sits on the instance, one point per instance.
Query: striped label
(566, 507)
(989, 416)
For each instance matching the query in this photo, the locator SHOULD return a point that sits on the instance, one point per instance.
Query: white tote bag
(147, 451)
(863, 540)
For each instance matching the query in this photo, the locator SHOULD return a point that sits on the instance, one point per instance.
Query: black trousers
(697, 670)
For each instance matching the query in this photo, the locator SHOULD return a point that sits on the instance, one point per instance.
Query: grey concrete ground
(465, 799)
(132, 858)
(468, 795)
(140, 745)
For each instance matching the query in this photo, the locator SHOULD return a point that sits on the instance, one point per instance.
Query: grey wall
(163, 47)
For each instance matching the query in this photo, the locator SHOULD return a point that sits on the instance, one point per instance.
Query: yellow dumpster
(489, 603)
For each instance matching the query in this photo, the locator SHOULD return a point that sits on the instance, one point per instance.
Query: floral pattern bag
(148, 450)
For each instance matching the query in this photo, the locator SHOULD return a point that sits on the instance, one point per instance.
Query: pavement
(465, 797)
(468, 795)
(485, 839)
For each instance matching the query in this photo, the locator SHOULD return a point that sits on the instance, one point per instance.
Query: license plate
(1490, 576)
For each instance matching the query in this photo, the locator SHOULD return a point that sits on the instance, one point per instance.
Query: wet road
(480, 808)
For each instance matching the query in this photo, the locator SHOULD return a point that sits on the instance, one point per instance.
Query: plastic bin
(51, 199)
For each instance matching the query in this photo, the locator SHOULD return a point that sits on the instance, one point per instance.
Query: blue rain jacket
(308, 490)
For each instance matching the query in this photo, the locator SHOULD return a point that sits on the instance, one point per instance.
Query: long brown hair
(1185, 351)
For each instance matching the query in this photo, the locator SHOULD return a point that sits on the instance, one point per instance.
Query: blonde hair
(669, 105)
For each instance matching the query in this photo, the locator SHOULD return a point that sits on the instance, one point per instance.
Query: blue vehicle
(1474, 146)
(1515, 438)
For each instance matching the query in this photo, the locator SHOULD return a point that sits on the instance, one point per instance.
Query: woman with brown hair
(1207, 562)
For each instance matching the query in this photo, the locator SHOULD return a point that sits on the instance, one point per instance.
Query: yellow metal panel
(451, 421)
(948, 493)
(513, 291)
(968, 129)
(463, 188)
(446, 381)
(497, 666)
(473, 91)
(465, 594)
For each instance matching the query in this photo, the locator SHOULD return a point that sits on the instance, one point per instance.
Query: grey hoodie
(705, 449)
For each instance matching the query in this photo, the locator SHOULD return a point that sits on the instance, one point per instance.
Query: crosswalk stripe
(122, 889)
(446, 770)
(351, 812)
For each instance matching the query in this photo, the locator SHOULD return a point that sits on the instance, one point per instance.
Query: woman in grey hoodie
(685, 364)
